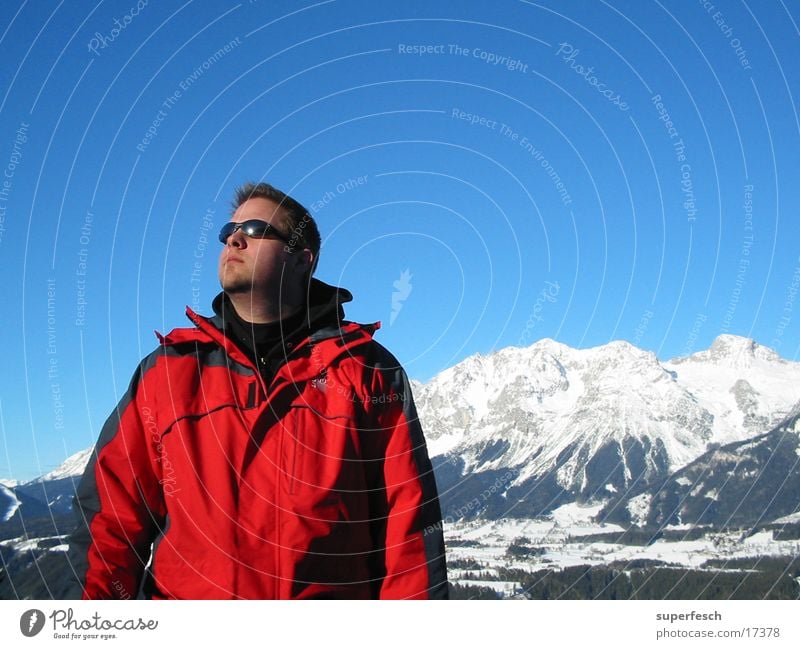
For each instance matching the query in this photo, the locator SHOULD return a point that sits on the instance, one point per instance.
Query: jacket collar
(323, 307)
(323, 302)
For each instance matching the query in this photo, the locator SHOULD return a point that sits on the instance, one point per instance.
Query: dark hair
(297, 222)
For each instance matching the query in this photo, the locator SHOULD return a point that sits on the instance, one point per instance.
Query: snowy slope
(739, 484)
(8, 503)
(73, 466)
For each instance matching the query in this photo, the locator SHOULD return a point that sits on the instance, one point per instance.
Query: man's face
(260, 265)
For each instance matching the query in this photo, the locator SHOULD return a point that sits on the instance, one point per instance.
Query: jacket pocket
(319, 442)
(190, 395)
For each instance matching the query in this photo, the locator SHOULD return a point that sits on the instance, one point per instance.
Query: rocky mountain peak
(733, 351)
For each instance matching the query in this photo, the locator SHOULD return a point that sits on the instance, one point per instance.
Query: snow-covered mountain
(561, 424)
(748, 388)
(46, 496)
(72, 467)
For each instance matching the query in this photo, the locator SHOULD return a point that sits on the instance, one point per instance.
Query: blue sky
(585, 171)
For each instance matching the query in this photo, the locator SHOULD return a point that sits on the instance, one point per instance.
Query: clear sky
(483, 174)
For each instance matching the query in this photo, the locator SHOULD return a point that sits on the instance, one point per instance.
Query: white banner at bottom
(400, 624)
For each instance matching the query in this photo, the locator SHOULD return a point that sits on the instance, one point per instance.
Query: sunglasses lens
(226, 231)
(256, 229)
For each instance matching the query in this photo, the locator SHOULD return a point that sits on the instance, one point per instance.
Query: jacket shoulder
(179, 337)
(378, 369)
(177, 343)
(381, 356)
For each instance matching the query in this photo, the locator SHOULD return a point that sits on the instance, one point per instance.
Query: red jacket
(315, 486)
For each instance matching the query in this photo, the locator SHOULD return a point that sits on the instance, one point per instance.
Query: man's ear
(305, 259)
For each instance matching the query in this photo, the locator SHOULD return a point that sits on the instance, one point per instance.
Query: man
(271, 451)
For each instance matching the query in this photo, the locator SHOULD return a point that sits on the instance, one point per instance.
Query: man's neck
(261, 311)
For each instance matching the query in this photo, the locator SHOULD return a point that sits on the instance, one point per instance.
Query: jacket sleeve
(119, 501)
(405, 514)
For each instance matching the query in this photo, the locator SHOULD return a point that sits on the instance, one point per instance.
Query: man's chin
(236, 287)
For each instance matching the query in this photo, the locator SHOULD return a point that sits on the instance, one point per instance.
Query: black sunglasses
(254, 229)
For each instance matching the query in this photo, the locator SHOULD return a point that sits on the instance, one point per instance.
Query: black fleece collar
(268, 343)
